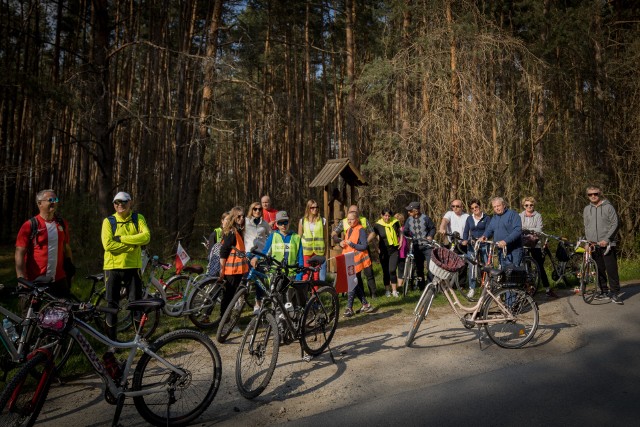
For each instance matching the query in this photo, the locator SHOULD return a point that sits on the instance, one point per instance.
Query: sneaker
(387, 294)
(471, 293)
(615, 298)
(348, 312)
(600, 296)
(551, 294)
(256, 309)
(395, 294)
(366, 308)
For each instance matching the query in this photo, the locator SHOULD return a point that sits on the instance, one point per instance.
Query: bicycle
(174, 381)
(312, 326)
(589, 283)
(510, 317)
(26, 328)
(194, 294)
(240, 300)
(410, 275)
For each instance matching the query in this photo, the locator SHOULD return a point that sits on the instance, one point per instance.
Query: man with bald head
(454, 220)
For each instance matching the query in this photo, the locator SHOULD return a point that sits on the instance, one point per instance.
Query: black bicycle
(310, 318)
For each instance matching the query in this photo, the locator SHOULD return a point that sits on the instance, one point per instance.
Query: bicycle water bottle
(112, 366)
(10, 329)
(289, 307)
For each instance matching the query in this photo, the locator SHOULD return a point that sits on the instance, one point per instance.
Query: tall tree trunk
(350, 48)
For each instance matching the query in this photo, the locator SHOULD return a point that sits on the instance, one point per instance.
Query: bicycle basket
(55, 318)
(444, 263)
(530, 239)
(514, 276)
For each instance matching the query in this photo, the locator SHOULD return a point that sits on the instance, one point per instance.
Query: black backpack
(34, 228)
(114, 223)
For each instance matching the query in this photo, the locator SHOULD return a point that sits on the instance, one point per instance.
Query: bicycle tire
(254, 365)
(319, 320)
(572, 270)
(589, 281)
(408, 273)
(23, 398)
(422, 309)
(150, 326)
(232, 314)
(124, 317)
(174, 289)
(533, 275)
(516, 332)
(191, 395)
(204, 304)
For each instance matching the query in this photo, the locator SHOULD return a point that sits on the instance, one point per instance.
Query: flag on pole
(182, 258)
(346, 279)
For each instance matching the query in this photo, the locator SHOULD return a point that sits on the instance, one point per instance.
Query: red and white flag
(182, 258)
(346, 279)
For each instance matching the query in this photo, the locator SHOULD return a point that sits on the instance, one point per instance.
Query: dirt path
(371, 361)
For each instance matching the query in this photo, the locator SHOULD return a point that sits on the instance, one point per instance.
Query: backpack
(213, 269)
(114, 223)
(34, 229)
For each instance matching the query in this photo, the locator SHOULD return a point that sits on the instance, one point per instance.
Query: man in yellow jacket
(123, 235)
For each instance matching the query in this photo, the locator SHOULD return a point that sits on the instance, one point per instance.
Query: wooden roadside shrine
(326, 178)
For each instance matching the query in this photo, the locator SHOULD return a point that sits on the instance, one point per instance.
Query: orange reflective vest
(235, 264)
(361, 258)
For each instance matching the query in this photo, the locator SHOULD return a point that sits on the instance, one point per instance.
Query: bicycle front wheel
(533, 275)
(22, 400)
(232, 314)
(257, 355)
(177, 399)
(408, 279)
(512, 318)
(572, 270)
(589, 281)
(320, 320)
(421, 311)
(204, 304)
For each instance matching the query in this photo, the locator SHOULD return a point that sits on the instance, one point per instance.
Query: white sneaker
(387, 294)
(471, 293)
(395, 294)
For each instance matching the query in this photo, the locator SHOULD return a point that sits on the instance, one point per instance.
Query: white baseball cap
(122, 196)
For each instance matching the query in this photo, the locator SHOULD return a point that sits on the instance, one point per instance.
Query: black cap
(413, 205)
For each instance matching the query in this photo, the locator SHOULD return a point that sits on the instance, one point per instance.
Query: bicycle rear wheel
(320, 320)
(421, 311)
(204, 304)
(589, 281)
(232, 314)
(257, 355)
(533, 275)
(572, 270)
(22, 400)
(124, 317)
(514, 321)
(180, 399)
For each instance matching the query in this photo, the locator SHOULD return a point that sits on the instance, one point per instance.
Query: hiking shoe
(471, 293)
(366, 308)
(615, 298)
(348, 312)
(551, 294)
(387, 294)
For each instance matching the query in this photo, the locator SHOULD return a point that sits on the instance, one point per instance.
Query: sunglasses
(120, 202)
(257, 209)
(313, 207)
(283, 223)
(528, 205)
(593, 194)
(51, 200)
(455, 206)
(475, 207)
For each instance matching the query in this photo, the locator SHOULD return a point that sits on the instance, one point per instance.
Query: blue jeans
(514, 257)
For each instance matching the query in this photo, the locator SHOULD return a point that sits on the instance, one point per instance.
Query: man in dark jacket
(601, 226)
(506, 229)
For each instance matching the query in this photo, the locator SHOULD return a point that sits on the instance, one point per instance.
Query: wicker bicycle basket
(444, 263)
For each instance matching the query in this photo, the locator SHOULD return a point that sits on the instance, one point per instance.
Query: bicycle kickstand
(116, 415)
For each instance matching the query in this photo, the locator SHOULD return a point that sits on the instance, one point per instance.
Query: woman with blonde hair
(532, 221)
(311, 230)
(233, 262)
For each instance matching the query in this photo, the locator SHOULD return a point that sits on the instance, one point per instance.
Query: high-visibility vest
(312, 242)
(361, 258)
(279, 247)
(235, 264)
(392, 236)
(218, 232)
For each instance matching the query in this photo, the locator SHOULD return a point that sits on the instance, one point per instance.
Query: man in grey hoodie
(601, 226)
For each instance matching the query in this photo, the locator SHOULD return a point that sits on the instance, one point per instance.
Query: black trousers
(607, 269)
(127, 278)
